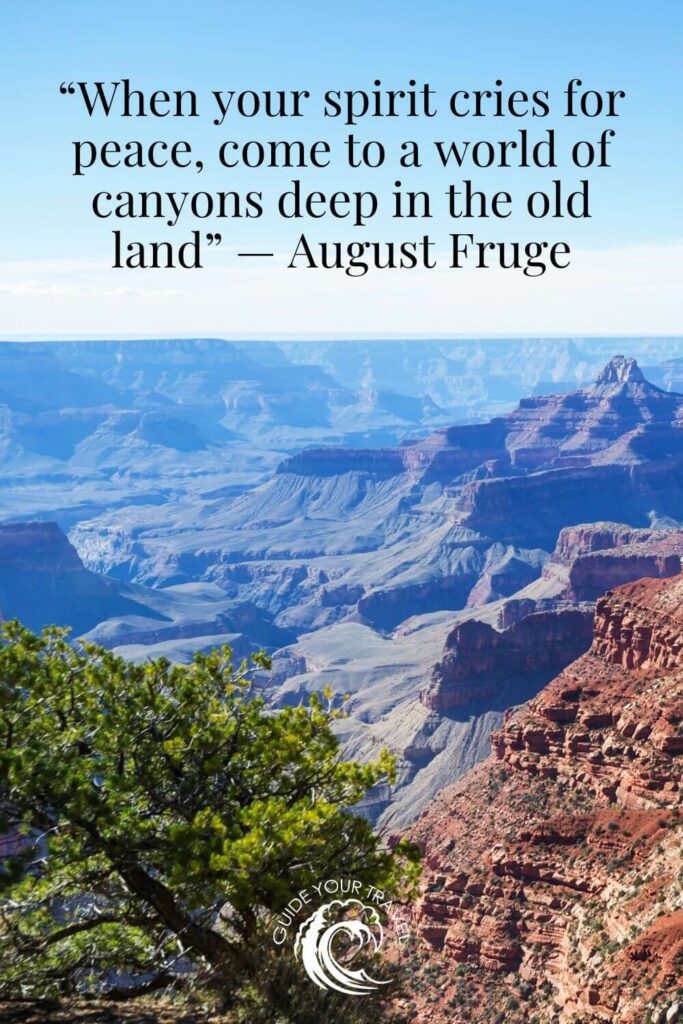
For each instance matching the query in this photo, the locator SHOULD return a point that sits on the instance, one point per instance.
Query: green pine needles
(167, 814)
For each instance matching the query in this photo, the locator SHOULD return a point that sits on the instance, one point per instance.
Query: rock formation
(478, 658)
(552, 889)
(597, 452)
(44, 582)
(605, 555)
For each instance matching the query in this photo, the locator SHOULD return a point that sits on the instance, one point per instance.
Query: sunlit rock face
(552, 881)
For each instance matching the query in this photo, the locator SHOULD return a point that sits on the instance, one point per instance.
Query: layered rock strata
(552, 889)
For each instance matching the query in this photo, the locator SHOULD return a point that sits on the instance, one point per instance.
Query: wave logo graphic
(315, 939)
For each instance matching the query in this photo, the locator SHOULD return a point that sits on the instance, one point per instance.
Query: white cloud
(85, 279)
(24, 288)
(607, 291)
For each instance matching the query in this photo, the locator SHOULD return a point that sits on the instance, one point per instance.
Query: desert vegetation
(158, 817)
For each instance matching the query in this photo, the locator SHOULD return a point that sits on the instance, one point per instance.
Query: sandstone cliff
(552, 889)
(605, 555)
(478, 658)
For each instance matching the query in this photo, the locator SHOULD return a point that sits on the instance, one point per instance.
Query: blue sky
(54, 258)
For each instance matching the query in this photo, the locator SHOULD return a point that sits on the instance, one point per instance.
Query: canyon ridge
(163, 497)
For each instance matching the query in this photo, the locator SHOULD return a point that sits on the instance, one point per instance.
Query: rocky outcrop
(588, 455)
(478, 658)
(502, 580)
(588, 576)
(43, 581)
(37, 547)
(621, 370)
(533, 509)
(637, 639)
(618, 406)
(552, 882)
(380, 463)
(515, 609)
(387, 608)
(600, 556)
(454, 451)
(641, 626)
(606, 555)
(587, 538)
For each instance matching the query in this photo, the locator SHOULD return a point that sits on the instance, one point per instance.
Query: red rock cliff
(552, 889)
(641, 626)
(479, 658)
(601, 556)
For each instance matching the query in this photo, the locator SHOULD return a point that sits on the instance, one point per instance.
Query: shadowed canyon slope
(43, 581)
(463, 618)
(437, 580)
(468, 514)
(553, 868)
(499, 655)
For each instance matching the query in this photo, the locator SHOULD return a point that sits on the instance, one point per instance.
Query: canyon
(552, 885)
(315, 499)
(498, 655)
